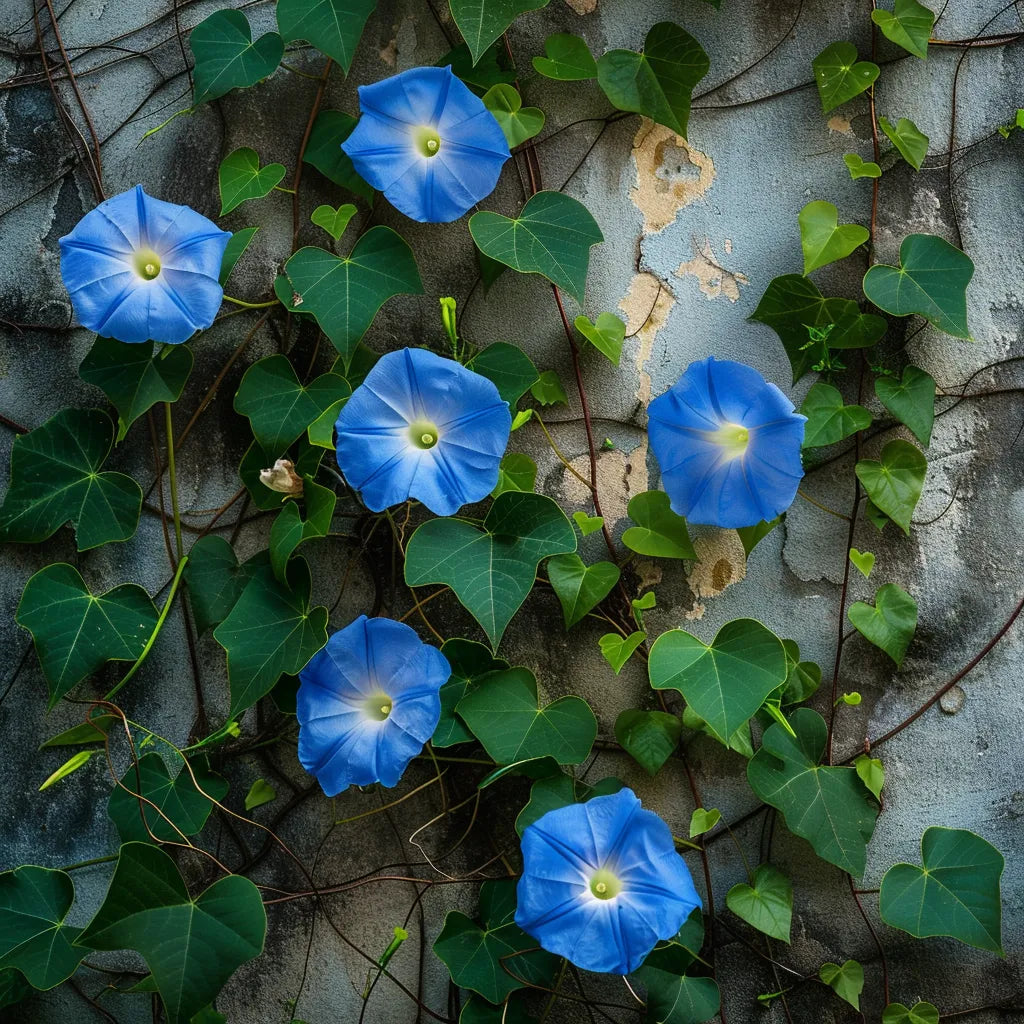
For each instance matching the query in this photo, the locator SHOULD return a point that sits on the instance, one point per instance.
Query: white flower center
(732, 438)
(426, 140)
(146, 264)
(423, 434)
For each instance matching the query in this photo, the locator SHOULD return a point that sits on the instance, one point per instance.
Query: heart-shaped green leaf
(552, 236)
(278, 407)
(147, 909)
(241, 178)
(34, 902)
(861, 168)
(333, 221)
(606, 334)
(344, 293)
(911, 399)
(823, 239)
(226, 57)
(702, 821)
(826, 805)
(504, 715)
(863, 560)
(519, 123)
(955, 892)
(617, 650)
(723, 682)
(178, 799)
(260, 792)
(674, 998)
(649, 737)
(56, 478)
(507, 367)
(330, 129)
(580, 587)
(931, 280)
(766, 904)
(659, 81)
(802, 677)
(516, 472)
(587, 524)
(133, 379)
(907, 138)
(894, 482)
(919, 1013)
(483, 21)
(828, 419)
(290, 529)
(909, 25)
(332, 26)
(548, 390)
(491, 570)
(659, 532)
(751, 536)
(75, 631)
(792, 303)
(840, 76)
(233, 251)
(215, 580)
(476, 955)
(560, 790)
(890, 623)
(271, 631)
(871, 772)
(568, 59)
(470, 662)
(847, 981)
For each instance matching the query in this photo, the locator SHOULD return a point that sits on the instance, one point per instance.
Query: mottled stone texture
(694, 234)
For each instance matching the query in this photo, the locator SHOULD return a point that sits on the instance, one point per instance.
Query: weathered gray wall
(694, 234)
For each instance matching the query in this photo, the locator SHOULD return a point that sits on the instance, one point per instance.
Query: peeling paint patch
(837, 124)
(619, 477)
(389, 54)
(647, 305)
(714, 280)
(670, 174)
(582, 6)
(721, 562)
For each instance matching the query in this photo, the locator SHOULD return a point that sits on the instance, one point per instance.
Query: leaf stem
(88, 863)
(824, 508)
(182, 562)
(253, 305)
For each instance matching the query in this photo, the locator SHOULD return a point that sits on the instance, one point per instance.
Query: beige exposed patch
(714, 280)
(721, 562)
(647, 305)
(670, 174)
(619, 477)
(839, 124)
(582, 6)
(389, 54)
(649, 573)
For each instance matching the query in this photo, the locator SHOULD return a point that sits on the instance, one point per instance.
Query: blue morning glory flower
(140, 269)
(367, 702)
(602, 883)
(728, 444)
(424, 427)
(428, 143)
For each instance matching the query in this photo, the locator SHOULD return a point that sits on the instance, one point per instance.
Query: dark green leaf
(237, 244)
(568, 59)
(241, 178)
(34, 902)
(56, 478)
(766, 904)
(894, 482)
(271, 631)
(909, 25)
(330, 129)
(507, 367)
(911, 400)
(504, 715)
(491, 570)
(516, 472)
(290, 529)
(649, 737)
(257, 459)
(332, 26)
(177, 799)
(659, 532)
(580, 587)
(479, 1011)
(803, 677)
(489, 69)
(560, 790)
(552, 236)
(133, 378)
(931, 280)
(226, 57)
(489, 959)
(889, 623)
(823, 239)
(191, 947)
(617, 650)
(828, 420)
(724, 682)
(847, 981)
(519, 123)
(659, 81)
(678, 998)
(751, 536)
(470, 663)
(907, 138)
(75, 631)
(826, 805)
(13, 987)
(792, 303)
(483, 21)
(606, 334)
(840, 76)
(215, 580)
(345, 293)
